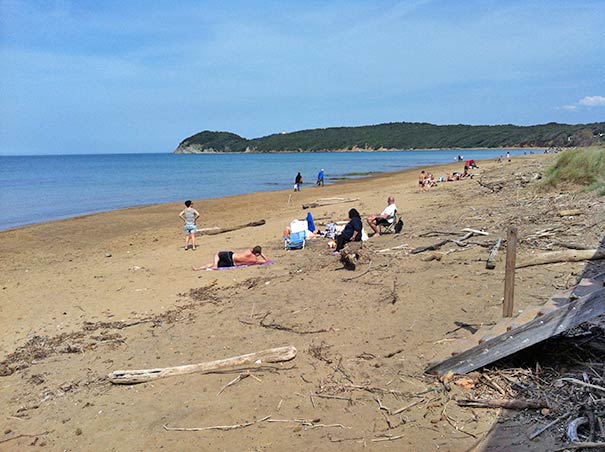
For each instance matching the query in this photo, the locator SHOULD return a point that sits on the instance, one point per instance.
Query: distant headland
(401, 136)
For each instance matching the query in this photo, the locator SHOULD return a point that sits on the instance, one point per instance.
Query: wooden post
(509, 273)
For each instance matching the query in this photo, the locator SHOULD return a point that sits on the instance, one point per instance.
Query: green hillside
(401, 135)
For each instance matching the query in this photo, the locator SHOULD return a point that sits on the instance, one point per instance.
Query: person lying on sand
(222, 259)
(387, 216)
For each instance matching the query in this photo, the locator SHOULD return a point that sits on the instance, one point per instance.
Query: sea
(36, 189)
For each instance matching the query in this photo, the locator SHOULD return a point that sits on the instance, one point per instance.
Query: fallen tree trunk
(216, 230)
(491, 259)
(272, 355)
(563, 256)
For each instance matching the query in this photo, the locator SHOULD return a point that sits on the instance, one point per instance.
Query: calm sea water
(35, 189)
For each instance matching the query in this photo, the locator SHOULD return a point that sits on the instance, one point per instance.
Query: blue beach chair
(296, 241)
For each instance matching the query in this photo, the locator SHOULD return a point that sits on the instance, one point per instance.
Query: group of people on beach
(427, 180)
(352, 232)
(252, 256)
(298, 180)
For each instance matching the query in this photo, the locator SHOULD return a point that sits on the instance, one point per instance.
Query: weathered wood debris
(249, 361)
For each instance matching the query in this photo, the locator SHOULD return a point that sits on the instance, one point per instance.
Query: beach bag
(398, 226)
(330, 230)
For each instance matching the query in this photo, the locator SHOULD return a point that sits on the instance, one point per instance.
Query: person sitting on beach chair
(223, 259)
(387, 217)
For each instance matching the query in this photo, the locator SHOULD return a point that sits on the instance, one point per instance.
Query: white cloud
(570, 107)
(592, 101)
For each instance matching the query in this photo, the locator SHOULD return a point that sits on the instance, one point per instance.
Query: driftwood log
(491, 259)
(562, 256)
(217, 230)
(328, 202)
(272, 355)
(570, 213)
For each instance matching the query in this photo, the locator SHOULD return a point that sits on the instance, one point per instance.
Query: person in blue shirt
(351, 232)
(320, 177)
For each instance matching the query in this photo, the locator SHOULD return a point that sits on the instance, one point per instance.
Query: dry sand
(86, 296)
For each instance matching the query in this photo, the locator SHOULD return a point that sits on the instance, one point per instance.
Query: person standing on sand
(508, 156)
(224, 259)
(190, 216)
(320, 178)
(421, 180)
(298, 180)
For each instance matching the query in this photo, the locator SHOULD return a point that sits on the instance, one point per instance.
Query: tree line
(401, 135)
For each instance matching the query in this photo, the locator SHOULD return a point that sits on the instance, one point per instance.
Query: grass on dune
(583, 166)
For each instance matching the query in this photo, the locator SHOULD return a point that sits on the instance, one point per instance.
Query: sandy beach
(86, 296)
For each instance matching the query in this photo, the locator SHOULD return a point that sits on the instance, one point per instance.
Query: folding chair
(385, 227)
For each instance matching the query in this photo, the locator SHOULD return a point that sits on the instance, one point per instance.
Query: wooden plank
(509, 272)
(556, 322)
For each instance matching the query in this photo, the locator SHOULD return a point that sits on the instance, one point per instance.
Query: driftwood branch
(216, 427)
(541, 430)
(278, 326)
(571, 246)
(511, 404)
(217, 230)
(25, 435)
(491, 259)
(582, 383)
(570, 212)
(572, 428)
(459, 241)
(310, 423)
(434, 247)
(272, 355)
(562, 256)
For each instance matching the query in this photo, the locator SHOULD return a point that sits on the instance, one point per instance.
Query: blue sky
(91, 76)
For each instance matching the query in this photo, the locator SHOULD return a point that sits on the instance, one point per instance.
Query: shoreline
(335, 180)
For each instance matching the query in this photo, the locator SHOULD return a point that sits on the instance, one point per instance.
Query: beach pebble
(107, 254)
